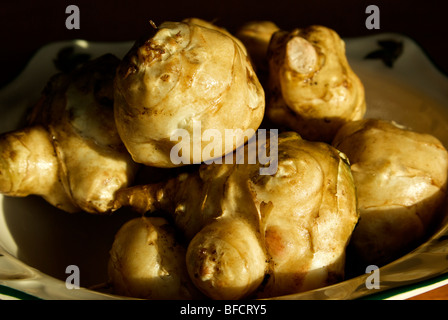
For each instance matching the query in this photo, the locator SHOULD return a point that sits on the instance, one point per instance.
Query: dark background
(28, 25)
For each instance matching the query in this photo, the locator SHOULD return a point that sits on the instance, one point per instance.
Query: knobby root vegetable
(401, 180)
(148, 262)
(253, 235)
(312, 89)
(29, 166)
(175, 87)
(70, 152)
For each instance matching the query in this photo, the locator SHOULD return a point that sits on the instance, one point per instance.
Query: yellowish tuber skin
(312, 88)
(187, 74)
(70, 154)
(226, 259)
(309, 212)
(290, 227)
(29, 166)
(401, 180)
(148, 262)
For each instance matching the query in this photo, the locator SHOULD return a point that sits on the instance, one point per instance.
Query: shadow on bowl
(50, 240)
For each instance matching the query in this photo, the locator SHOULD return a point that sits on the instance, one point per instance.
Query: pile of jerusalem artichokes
(221, 227)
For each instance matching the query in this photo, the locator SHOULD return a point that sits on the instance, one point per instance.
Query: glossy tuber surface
(70, 153)
(187, 74)
(312, 89)
(401, 181)
(148, 262)
(253, 235)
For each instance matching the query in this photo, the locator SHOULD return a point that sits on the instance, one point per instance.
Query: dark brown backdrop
(27, 25)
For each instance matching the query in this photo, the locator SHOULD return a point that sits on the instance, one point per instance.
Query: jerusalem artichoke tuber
(186, 74)
(312, 88)
(70, 153)
(148, 262)
(242, 227)
(401, 181)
